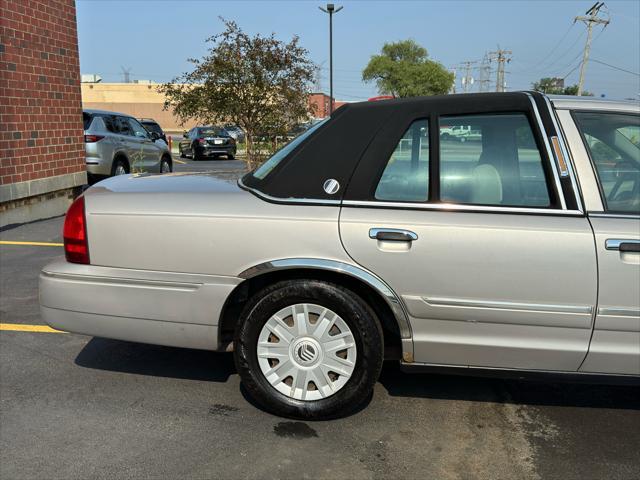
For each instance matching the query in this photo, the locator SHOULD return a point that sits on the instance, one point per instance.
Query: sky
(155, 38)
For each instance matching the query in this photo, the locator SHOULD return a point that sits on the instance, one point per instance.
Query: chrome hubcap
(306, 351)
(120, 170)
(165, 167)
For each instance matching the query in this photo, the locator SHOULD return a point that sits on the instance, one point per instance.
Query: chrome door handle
(622, 245)
(392, 235)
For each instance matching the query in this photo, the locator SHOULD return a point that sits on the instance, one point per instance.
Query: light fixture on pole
(331, 9)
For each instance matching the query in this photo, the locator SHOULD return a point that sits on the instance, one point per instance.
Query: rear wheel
(308, 349)
(165, 166)
(182, 154)
(119, 167)
(230, 156)
(196, 154)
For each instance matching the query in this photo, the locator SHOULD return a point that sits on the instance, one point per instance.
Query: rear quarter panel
(217, 233)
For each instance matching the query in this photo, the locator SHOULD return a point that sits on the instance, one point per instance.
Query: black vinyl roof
(335, 149)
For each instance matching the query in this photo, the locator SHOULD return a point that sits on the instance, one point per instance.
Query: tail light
(93, 138)
(202, 140)
(76, 246)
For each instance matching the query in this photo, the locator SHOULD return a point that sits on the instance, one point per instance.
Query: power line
(614, 67)
(544, 59)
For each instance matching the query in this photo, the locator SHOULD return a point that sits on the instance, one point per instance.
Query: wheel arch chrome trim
(394, 302)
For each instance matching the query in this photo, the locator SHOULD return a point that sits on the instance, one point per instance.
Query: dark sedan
(203, 142)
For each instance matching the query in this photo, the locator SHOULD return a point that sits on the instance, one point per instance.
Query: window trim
(606, 212)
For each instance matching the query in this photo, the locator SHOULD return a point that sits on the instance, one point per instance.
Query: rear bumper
(217, 150)
(162, 308)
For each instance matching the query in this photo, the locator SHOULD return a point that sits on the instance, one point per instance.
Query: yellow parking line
(19, 327)
(179, 161)
(35, 244)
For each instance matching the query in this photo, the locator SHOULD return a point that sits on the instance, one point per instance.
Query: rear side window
(613, 142)
(491, 160)
(86, 119)
(122, 126)
(406, 175)
(109, 123)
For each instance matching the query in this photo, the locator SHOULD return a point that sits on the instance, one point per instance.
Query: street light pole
(331, 9)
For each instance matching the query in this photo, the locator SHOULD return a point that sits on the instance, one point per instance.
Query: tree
(403, 70)
(259, 83)
(552, 86)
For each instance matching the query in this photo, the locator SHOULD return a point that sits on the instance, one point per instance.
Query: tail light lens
(201, 140)
(93, 138)
(76, 246)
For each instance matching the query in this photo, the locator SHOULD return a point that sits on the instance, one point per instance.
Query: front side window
(406, 175)
(138, 130)
(491, 160)
(613, 141)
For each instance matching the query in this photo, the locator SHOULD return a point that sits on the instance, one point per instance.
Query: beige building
(141, 100)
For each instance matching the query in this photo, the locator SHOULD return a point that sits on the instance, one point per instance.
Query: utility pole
(467, 80)
(126, 74)
(502, 57)
(453, 70)
(485, 74)
(331, 9)
(590, 18)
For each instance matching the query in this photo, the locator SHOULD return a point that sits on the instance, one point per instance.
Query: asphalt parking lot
(78, 407)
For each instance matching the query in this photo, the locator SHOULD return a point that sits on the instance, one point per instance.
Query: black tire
(167, 162)
(182, 154)
(359, 317)
(196, 155)
(119, 162)
(230, 156)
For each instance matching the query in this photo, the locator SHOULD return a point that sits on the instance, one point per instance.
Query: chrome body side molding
(533, 307)
(390, 297)
(619, 311)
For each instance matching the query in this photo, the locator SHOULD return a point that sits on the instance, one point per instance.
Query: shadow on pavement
(158, 361)
(525, 392)
(155, 360)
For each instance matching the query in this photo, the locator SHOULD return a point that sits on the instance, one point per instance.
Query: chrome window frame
(575, 182)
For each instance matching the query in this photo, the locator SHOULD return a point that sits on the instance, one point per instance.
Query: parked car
(460, 133)
(515, 255)
(117, 144)
(236, 132)
(154, 127)
(212, 141)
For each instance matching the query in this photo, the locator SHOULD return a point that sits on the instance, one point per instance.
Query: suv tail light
(202, 140)
(93, 138)
(76, 246)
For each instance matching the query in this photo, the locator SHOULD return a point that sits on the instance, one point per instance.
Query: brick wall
(41, 132)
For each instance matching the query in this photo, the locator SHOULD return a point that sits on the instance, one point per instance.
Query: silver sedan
(372, 236)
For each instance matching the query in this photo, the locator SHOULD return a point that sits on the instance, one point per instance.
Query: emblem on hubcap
(306, 352)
